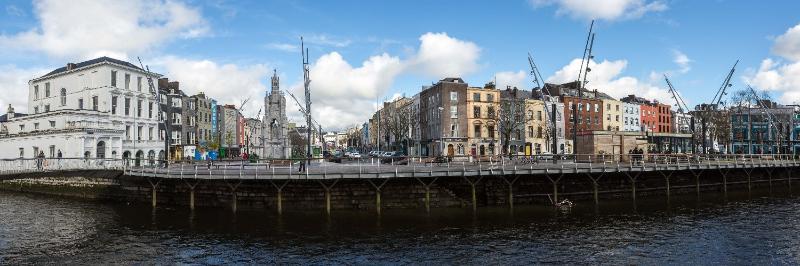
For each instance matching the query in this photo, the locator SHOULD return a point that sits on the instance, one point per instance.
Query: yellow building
(612, 115)
(536, 134)
(483, 135)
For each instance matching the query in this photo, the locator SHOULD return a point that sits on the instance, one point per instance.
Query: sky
(365, 52)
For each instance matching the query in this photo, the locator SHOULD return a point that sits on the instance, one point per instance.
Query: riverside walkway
(415, 167)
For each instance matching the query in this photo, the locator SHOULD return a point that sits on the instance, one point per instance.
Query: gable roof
(92, 62)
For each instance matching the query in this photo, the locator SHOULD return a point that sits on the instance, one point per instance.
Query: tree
(510, 117)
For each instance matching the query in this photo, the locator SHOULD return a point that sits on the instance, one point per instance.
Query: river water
(757, 228)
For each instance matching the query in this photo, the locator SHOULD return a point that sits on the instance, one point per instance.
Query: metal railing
(387, 167)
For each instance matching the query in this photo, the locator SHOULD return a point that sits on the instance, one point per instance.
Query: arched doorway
(139, 157)
(114, 155)
(450, 150)
(87, 155)
(491, 148)
(482, 150)
(151, 157)
(101, 150)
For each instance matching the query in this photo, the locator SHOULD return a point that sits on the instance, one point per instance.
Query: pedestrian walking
(302, 166)
(40, 160)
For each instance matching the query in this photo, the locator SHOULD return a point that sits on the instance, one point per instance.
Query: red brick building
(649, 117)
(590, 114)
(664, 124)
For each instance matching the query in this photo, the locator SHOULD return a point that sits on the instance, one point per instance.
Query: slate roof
(4, 118)
(93, 62)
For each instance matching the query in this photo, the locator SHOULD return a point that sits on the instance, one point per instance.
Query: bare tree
(510, 118)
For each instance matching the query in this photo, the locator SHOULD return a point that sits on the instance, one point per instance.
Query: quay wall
(360, 194)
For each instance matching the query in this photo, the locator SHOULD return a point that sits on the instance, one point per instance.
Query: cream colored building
(537, 134)
(612, 112)
(483, 137)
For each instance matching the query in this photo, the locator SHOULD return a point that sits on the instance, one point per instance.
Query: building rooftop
(73, 66)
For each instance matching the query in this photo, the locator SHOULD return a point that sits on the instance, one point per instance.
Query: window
(63, 96)
(453, 111)
(150, 133)
(539, 115)
(490, 97)
(530, 131)
(139, 83)
(80, 103)
(454, 130)
(453, 96)
(52, 151)
(139, 108)
(490, 112)
(36, 109)
(35, 126)
(128, 132)
(52, 124)
(113, 78)
(490, 129)
(127, 81)
(95, 103)
(477, 131)
(47, 90)
(608, 106)
(476, 97)
(127, 106)
(608, 117)
(149, 109)
(139, 133)
(571, 106)
(476, 111)
(617, 107)
(21, 152)
(21, 127)
(46, 108)
(113, 105)
(539, 132)
(36, 92)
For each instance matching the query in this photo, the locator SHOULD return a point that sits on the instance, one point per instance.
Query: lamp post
(441, 132)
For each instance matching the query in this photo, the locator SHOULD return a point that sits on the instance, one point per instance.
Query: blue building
(769, 130)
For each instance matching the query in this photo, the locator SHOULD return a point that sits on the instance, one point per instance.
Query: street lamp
(441, 132)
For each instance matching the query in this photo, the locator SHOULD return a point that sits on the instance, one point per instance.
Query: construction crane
(682, 107)
(715, 105)
(770, 118)
(550, 122)
(585, 60)
(157, 93)
(307, 114)
(725, 84)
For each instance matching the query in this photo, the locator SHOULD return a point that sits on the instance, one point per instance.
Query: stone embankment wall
(396, 192)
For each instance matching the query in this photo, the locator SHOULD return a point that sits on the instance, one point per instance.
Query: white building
(631, 117)
(101, 108)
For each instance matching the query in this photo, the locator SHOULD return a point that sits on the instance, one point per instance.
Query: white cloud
(82, 29)
(606, 77)
(290, 48)
(777, 75)
(14, 86)
(14, 11)
(605, 10)
(326, 40)
(227, 83)
(682, 61)
(440, 56)
(788, 44)
(513, 79)
(343, 95)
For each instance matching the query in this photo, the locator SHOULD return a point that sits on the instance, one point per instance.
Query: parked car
(355, 155)
(375, 153)
(387, 154)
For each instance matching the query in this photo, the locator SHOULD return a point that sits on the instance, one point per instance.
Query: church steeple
(275, 81)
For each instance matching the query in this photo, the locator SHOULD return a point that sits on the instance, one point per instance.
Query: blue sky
(363, 50)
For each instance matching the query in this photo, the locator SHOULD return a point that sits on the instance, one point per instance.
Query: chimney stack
(10, 112)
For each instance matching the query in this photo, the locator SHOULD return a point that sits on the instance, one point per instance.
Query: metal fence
(388, 167)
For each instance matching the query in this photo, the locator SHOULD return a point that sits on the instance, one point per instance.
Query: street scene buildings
(108, 108)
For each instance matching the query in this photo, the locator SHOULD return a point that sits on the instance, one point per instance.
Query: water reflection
(710, 229)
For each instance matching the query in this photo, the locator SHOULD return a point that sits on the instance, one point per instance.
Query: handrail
(399, 166)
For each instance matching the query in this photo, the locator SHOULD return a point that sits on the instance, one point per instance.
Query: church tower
(276, 130)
